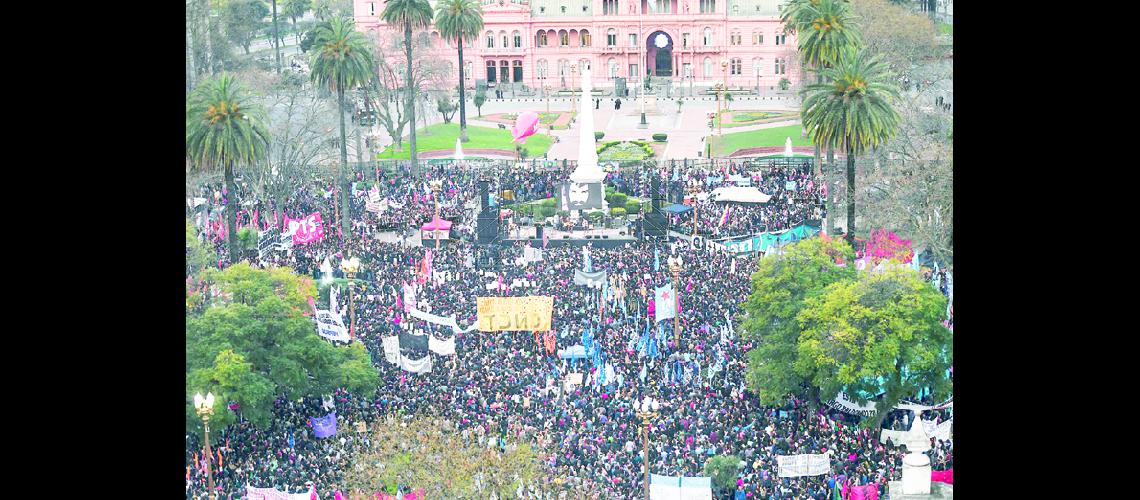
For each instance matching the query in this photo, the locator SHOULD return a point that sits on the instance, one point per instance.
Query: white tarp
(422, 365)
(448, 321)
(441, 347)
(391, 348)
(739, 194)
(813, 464)
(679, 488)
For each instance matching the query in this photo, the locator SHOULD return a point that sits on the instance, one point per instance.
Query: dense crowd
(495, 389)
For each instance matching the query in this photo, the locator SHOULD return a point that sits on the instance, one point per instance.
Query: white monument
(458, 149)
(788, 148)
(916, 464)
(588, 169)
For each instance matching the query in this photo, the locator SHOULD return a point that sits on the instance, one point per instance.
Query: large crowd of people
(496, 385)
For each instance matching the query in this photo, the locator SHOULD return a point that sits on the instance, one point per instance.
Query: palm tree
(852, 111)
(342, 59)
(224, 128)
(409, 14)
(458, 20)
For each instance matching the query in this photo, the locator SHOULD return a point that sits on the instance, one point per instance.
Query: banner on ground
(813, 464)
(942, 476)
(666, 301)
(415, 343)
(532, 254)
(441, 347)
(498, 314)
(593, 280)
(252, 493)
(325, 426)
(306, 229)
(331, 326)
(680, 488)
(391, 349)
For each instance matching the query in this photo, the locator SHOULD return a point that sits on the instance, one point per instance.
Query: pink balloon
(525, 126)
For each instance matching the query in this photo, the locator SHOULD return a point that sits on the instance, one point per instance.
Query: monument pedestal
(916, 474)
(938, 491)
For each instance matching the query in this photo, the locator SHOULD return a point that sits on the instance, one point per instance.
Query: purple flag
(325, 426)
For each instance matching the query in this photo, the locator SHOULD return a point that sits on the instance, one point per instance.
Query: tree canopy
(882, 332)
(780, 287)
(722, 469)
(253, 343)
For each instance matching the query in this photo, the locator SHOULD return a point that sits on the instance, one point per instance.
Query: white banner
(665, 301)
(803, 465)
(391, 348)
(422, 365)
(887, 435)
(331, 327)
(409, 297)
(532, 254)
(441, 347)
(939, 431)
(252, 493)
(440, 320)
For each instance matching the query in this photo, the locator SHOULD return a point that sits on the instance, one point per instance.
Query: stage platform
(604, 238)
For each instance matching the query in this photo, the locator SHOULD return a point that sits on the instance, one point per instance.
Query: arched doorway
(659, 54)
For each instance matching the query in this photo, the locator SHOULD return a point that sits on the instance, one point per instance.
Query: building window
(708, 67)
(684, 40)
(756, 63)
(757, 38)
(504, 71)
(781, 66)
(518, 40)
(585, 38)
(708, 37)
(633, 71)
(736, 9)
(781, 38)
(506, 41)
(633, 39)
(708, 6)
(517, 66)
(609, 7)
(613, 68)
(490, 71)
(735, 39)
(687, 70)
(583, 64)
(735, 66)
(372, 8)
(540, 69)
(611, 37)
(563, 68)
(563, 9)
(470, 68)
(490, 40)
(563, 38)
(662, 6)
(541, 38)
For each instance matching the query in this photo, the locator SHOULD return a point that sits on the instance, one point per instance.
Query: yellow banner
(498, 314)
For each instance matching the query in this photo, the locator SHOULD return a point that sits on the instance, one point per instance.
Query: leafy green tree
(445, 106)
(722, 469)
(883, 330)
(199, 255)
(223, 128)
(480, 98)
(308, 39)
(459, 20)
(253, 343)
(852, 111)
(409, 15)
(294, 9)
(341, 61)
(780, 286)
(242, 19)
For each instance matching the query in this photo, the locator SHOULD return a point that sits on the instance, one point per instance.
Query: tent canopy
(677, 208)
(437, 224)
(739, 194)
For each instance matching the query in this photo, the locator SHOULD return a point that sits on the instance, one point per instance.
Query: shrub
(599, 135)
(617, 211)
(784, 83)
(526, 210)
(562, 214)
(595, 216)
(660, 137)
(633, 207)
(547, 211)
(550, 202)
(618, 200)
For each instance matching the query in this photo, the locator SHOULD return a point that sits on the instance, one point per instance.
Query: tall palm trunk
(462, 97)
(276, 39)
(347, 234)
(232, 205)
(410, 98)
(850, 196)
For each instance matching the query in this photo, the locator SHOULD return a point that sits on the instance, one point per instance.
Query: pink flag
(337, 495)
(942, 476)
(306, 230)
(724, 218)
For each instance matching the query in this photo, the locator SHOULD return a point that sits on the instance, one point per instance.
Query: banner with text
(814, 464)
(306, 229)
(252, 493)
(498, 314)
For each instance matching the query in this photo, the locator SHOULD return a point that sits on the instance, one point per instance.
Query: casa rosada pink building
(546, 42)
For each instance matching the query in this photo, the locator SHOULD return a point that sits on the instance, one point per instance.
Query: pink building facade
(692, 43)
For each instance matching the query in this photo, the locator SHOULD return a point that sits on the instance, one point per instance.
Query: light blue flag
(642, 374)
(656, 260)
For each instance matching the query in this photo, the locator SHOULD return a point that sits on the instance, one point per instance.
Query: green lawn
(729, 143)
(442, 136)
(745, 118)
(543, 118)
(946, 29)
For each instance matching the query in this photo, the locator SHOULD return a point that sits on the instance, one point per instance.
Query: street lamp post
(675, 265)
(724, 89)
(205, 409)
(573, 92)
(436, 186)
(350, 267)
(694, 188)
(546, 91)
(647, 411)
